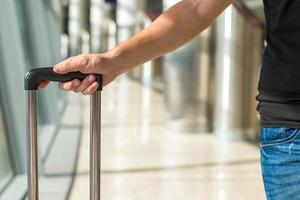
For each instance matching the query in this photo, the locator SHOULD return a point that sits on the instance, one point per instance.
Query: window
(5, 165)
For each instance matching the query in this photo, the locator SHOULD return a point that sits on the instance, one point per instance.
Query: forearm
(172, 29)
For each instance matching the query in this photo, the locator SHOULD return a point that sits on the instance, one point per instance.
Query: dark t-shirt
(279, 85)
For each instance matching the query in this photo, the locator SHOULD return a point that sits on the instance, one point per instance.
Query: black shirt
(279, 85)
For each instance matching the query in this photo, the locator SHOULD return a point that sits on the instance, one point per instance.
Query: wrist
(115, 60)
(113, 63)
(121, 58)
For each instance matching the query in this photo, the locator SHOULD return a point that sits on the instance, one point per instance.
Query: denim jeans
(280, 161)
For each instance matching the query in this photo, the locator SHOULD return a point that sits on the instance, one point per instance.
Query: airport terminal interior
(181, 127)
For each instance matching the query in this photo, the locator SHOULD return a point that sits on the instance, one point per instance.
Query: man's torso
(279, 86)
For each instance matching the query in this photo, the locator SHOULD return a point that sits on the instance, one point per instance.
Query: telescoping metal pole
(31, 85)
(32, 146)
(95, 146)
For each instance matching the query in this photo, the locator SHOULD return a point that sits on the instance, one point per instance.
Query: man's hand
(87, 64)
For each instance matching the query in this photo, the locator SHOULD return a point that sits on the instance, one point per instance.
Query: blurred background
(183, 126)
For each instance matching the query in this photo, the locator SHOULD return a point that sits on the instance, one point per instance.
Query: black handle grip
(34, 77)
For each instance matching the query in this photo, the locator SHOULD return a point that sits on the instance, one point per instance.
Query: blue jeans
(280, 161)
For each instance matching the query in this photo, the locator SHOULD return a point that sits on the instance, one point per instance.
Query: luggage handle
(35, 76)
(31, 85)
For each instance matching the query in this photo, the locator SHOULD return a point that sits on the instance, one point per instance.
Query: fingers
(85, 83)
(91, 89)
(71, 85)
(87, 86)
(73, 64)
(43, 84)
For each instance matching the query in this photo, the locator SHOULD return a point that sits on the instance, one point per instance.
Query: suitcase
(31, 83)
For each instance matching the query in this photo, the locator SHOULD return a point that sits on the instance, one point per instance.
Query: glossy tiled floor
(143, 161)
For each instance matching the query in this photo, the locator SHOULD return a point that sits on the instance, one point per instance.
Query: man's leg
(280, 161)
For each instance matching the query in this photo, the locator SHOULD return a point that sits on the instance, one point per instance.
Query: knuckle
(95, 60)
(84, 62)
(75, 83)
(91, 78)
(68, 61)
(86, 81)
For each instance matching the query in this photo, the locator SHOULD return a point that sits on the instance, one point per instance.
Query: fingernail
(91, 78)
(56, 68)
(69, 85)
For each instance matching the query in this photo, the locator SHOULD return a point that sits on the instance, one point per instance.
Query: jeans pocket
(277, 136)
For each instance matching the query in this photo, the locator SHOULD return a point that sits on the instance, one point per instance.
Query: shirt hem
(279, 125)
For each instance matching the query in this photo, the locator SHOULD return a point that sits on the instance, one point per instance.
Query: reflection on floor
(143, 161)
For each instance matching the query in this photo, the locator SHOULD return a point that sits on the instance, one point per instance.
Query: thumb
(72, 64)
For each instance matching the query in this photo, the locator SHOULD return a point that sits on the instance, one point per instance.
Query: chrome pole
(185, 102)
(32, 146)
(95, 146)
(237, 61)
